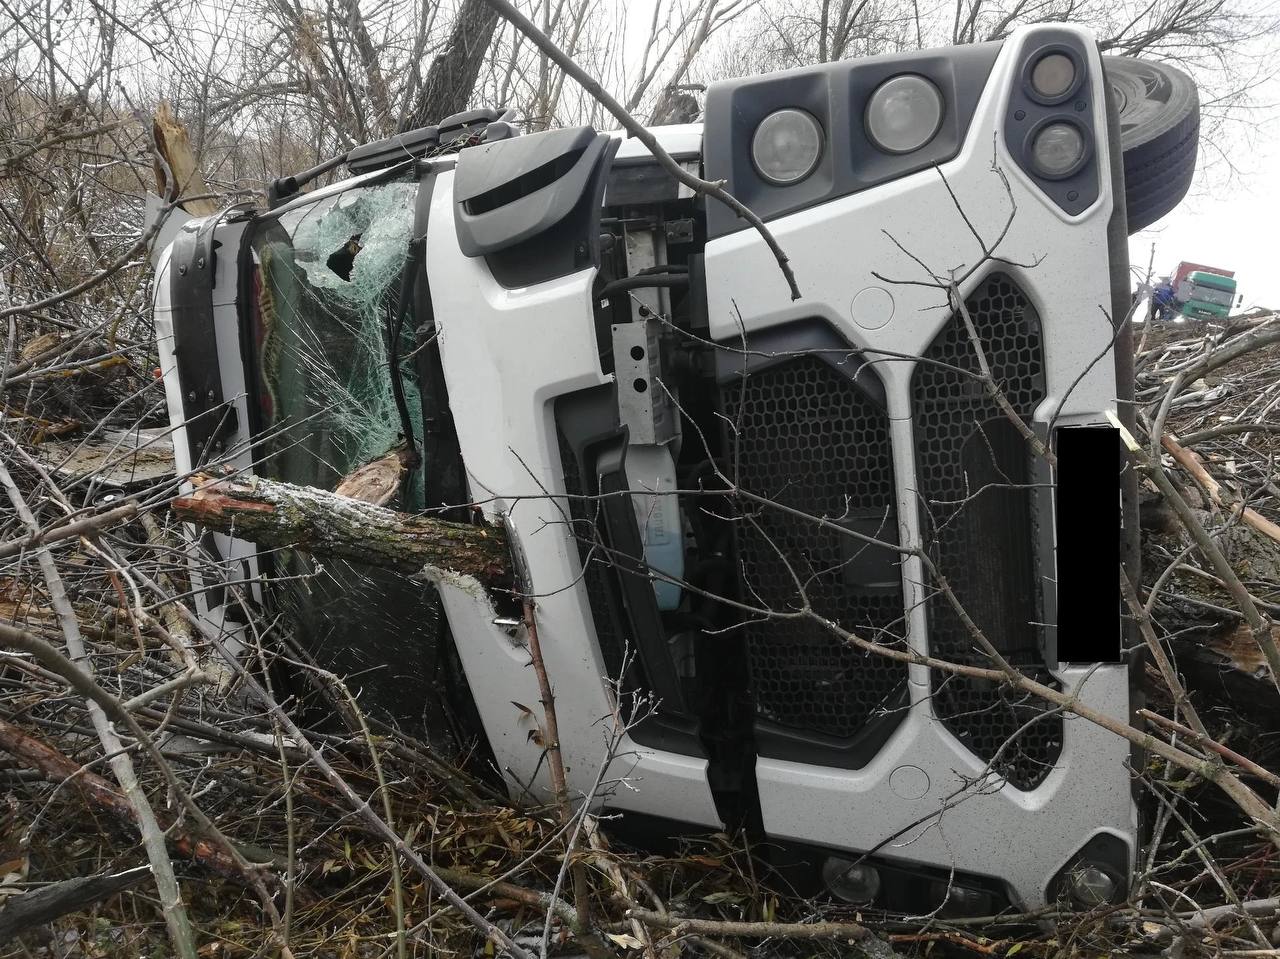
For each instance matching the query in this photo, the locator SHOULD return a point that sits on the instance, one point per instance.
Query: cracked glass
(326, 311)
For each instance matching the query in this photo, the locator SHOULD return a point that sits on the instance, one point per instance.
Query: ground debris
(257, 783)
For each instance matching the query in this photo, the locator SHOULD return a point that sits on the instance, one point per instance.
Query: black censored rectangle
(1090, 462)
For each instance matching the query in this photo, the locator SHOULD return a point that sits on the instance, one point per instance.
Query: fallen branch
(1191, 462)
(848, 931)
(41, 906)
(278, 514)
(104, 797)
(555, 762)
(358, 805)
(172, 905)
(989, 383)
(69, 530)
(1206, 742)
(1259, 627)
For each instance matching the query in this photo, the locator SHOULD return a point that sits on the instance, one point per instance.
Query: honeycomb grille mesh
(808, 439)
(973, 473)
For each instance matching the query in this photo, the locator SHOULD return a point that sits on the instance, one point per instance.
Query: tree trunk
(275, 514)
(375, 82)
(452, 77)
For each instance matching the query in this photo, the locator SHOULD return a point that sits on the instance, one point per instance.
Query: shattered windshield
(329, 277)
(334, 331)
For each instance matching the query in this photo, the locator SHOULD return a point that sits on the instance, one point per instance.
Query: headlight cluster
(1058, 146)
(861, 883)
(903, 114)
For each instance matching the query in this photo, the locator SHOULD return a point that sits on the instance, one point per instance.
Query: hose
(644, 281)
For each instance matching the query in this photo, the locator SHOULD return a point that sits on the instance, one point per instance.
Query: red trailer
(1185, 268)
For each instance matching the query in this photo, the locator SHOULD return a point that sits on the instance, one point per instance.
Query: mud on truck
(577, 345)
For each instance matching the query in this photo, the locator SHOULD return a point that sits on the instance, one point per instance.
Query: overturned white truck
(705, 480)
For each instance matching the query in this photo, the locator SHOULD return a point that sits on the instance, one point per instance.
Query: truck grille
(979, 522)
(803, 435)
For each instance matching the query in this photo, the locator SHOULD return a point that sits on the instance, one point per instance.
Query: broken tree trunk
(185, 182)
(274, 514)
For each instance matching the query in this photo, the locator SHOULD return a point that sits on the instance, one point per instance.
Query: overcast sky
(1230, 221)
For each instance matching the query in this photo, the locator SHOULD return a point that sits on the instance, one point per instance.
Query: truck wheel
(1159, 129)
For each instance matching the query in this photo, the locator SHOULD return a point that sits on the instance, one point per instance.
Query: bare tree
(451, 81)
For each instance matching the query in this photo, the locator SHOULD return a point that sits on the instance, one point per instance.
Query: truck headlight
(1057, 149)
(904, 113)
(962, 900)
(786, 146)
(857, 883)
(1053, 76)
(1090, 885)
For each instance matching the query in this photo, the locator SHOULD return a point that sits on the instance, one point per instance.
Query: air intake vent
(975, 474)
(805, 437)
(595, 570)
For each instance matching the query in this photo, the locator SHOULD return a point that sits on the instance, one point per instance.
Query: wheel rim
(1142, 94)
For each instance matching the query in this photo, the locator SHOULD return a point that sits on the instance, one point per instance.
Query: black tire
(1159, 113)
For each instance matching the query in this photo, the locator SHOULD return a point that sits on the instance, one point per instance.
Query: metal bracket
(644, 405)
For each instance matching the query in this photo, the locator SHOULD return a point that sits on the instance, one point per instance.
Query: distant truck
(1203, 292)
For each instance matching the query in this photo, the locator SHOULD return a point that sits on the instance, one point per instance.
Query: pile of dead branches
(131, 732)
(294, 821)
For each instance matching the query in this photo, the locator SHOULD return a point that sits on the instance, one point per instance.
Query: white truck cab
(687, 459)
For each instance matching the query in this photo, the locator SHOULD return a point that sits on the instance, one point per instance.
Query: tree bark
(281, 515)
(375, 82)
(452, 77)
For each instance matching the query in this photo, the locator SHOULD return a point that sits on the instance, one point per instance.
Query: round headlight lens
(904, 113)
(1091, 886)
(1053, 75)
(1057, 149)
(786, 146)
(852, 882)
